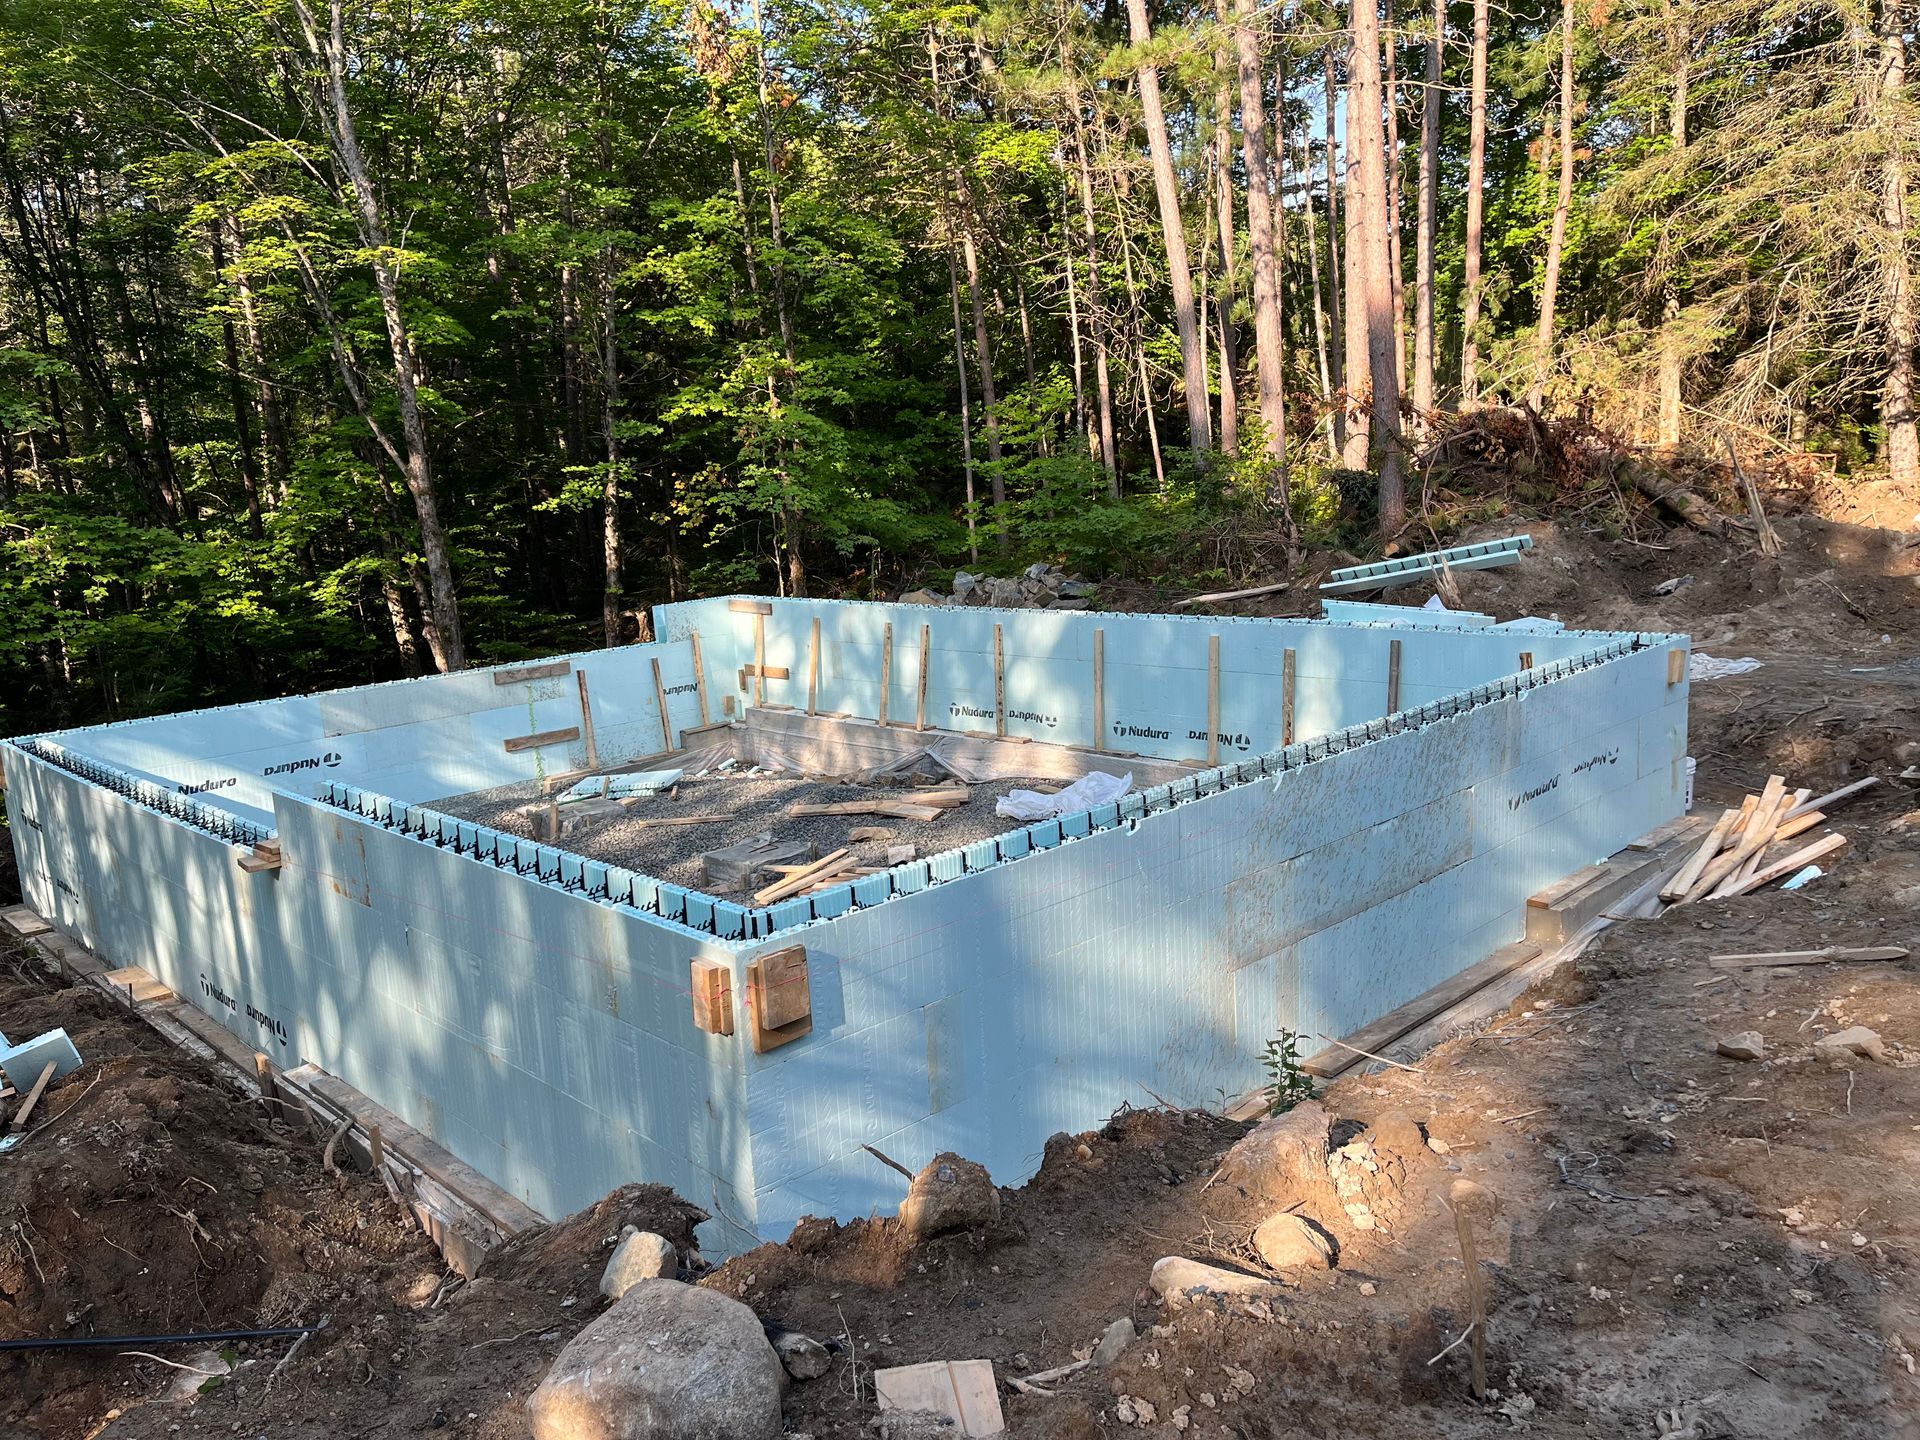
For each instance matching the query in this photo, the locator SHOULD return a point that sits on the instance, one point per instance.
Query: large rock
(667, 1362)
(640, 1255)
(1843, 1045)
(923, 597)
(1283, 1158)
(950, 1194)
(1291, 1242)
(1180, 1281)
(804, 1357)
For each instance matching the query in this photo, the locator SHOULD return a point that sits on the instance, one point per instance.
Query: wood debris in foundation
(1748, 847)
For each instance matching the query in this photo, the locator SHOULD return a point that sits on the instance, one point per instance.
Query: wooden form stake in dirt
(700, 680)
(1287, 663)
(813, 669)
(999, 684)
(1099, 690)
(1393, 677)
(269, 1092)
(660, 699)
(920, 705)
(1213, 699)
(586, 718)
(886, 670)
(1469, 1202)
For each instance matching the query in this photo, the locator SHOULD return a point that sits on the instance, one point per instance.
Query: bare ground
(1686, 1245)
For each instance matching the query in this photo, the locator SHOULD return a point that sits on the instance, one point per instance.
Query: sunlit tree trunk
(1267, 336)
(1229, 252)
(1373, 293)
(1394, 212)
(1193, 349)
(1319, 302)
(1557, 238)
(1097, 321)
(966, 406)
(1668, 380)
(1903, 430)
(236, 391)
(1476, 212)
(1423, 345)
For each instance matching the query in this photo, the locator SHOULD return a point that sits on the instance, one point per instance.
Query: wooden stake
(886, 670)
(759, 659)
(1463, 1199)
(1099, 690)
(999, 684)
(920, 705)
(1393, 677)
(269, 1092)
(1286, 697)
(700, 680)
(1213, 700)
(1526, 659)
(660, 696)
(376, 1149)
(813, 669)
(586, 719)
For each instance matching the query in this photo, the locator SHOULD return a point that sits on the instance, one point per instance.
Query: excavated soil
(1685, 1245)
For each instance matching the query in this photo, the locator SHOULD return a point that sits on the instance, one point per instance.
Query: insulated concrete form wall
(529, 1009)
(1155, 668)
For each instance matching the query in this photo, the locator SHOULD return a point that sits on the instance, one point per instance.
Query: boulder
(1075, 589)
(1119, 1335)
(640, 1255)
(1180, 1281)
(1747, 1045)
(922, 597)
(667, 1362)
(1284, 1157)
(964, 584)
(1292, 1242)
(950, 1194)
(1855, 1040)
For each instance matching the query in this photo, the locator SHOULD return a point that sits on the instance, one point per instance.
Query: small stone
(641, 1255)
(803, 1357)
(1292, 1242)
(1241, 1380)
(1367, 1287)
(950, 1194)
(1179, 1281)
(1747, 1045)
(1182, 1416)
(1854, 1040)
(1120, 1334)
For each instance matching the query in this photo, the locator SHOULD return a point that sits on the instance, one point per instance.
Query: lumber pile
(822, 874)
(925, 805)
(1750, 846)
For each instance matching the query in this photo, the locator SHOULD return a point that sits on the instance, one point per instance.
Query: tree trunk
(1335, 271)
(1266, 275)
(613, 593)
(1903, 431)
(966, 406)
(1097, 323)
(1229, 252)
(1394, 211)
(1319, 303)
(1374, 293)
(1193, 349)
(1082, 418)
(449, 645)
(279, 455)
(1476, 212)
(1557, 239)
(236, 390)
(1429, 202)
(1669, 376)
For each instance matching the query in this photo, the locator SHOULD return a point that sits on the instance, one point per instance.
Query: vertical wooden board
(999, 683)
(586, 718)
(759, 659)
(1526, 659)
(1288, 672)
(1099, 690)
(712, 997)
(1676, 666)
(886, 670)
(813, 669)
(920, 705)
(1393, 676)
(1213, 699)
(780, 998)
(660, 699)
(700, 679)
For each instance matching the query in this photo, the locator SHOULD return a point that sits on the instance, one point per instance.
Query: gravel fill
(744, 807)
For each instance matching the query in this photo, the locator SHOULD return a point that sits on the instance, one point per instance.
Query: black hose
(91, 1341)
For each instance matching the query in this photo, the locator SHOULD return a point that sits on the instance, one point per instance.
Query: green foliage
(1287, 1083)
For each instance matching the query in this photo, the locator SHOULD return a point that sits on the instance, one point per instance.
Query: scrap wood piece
(1828, 801)
(1220, 595)
(1806, 856)
(1681, 883)
(793, 884)
(25, 1112)
(961, 1391)
(515, 743)
(1832, 954)
(897, 809)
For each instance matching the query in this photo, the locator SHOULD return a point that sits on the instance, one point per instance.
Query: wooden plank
(23, 922)
(659, 699)
(1833, 798)
(1676, 666)
(762, 672)
(1833, 954)
(1379, 1034)
(999, 684)
(1826, 845)
(1749, 832)
(750, 607)
(1710, 847)
(797, 882)
(712, 997)
(25, 1112)
(1393, 677)
(258, 862)
(1681, 827)
(1220, 595)
(586, 717)
(779, 998)
(521, 674)
(1099, 690)
(886, 669)
(1526, 659)
(700, 679)
(760, 656)
(516, 743)
(1213, 700)
(138, 984)
(1288, 672)
(813, 668)
(962, 1391)
(920, 705)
